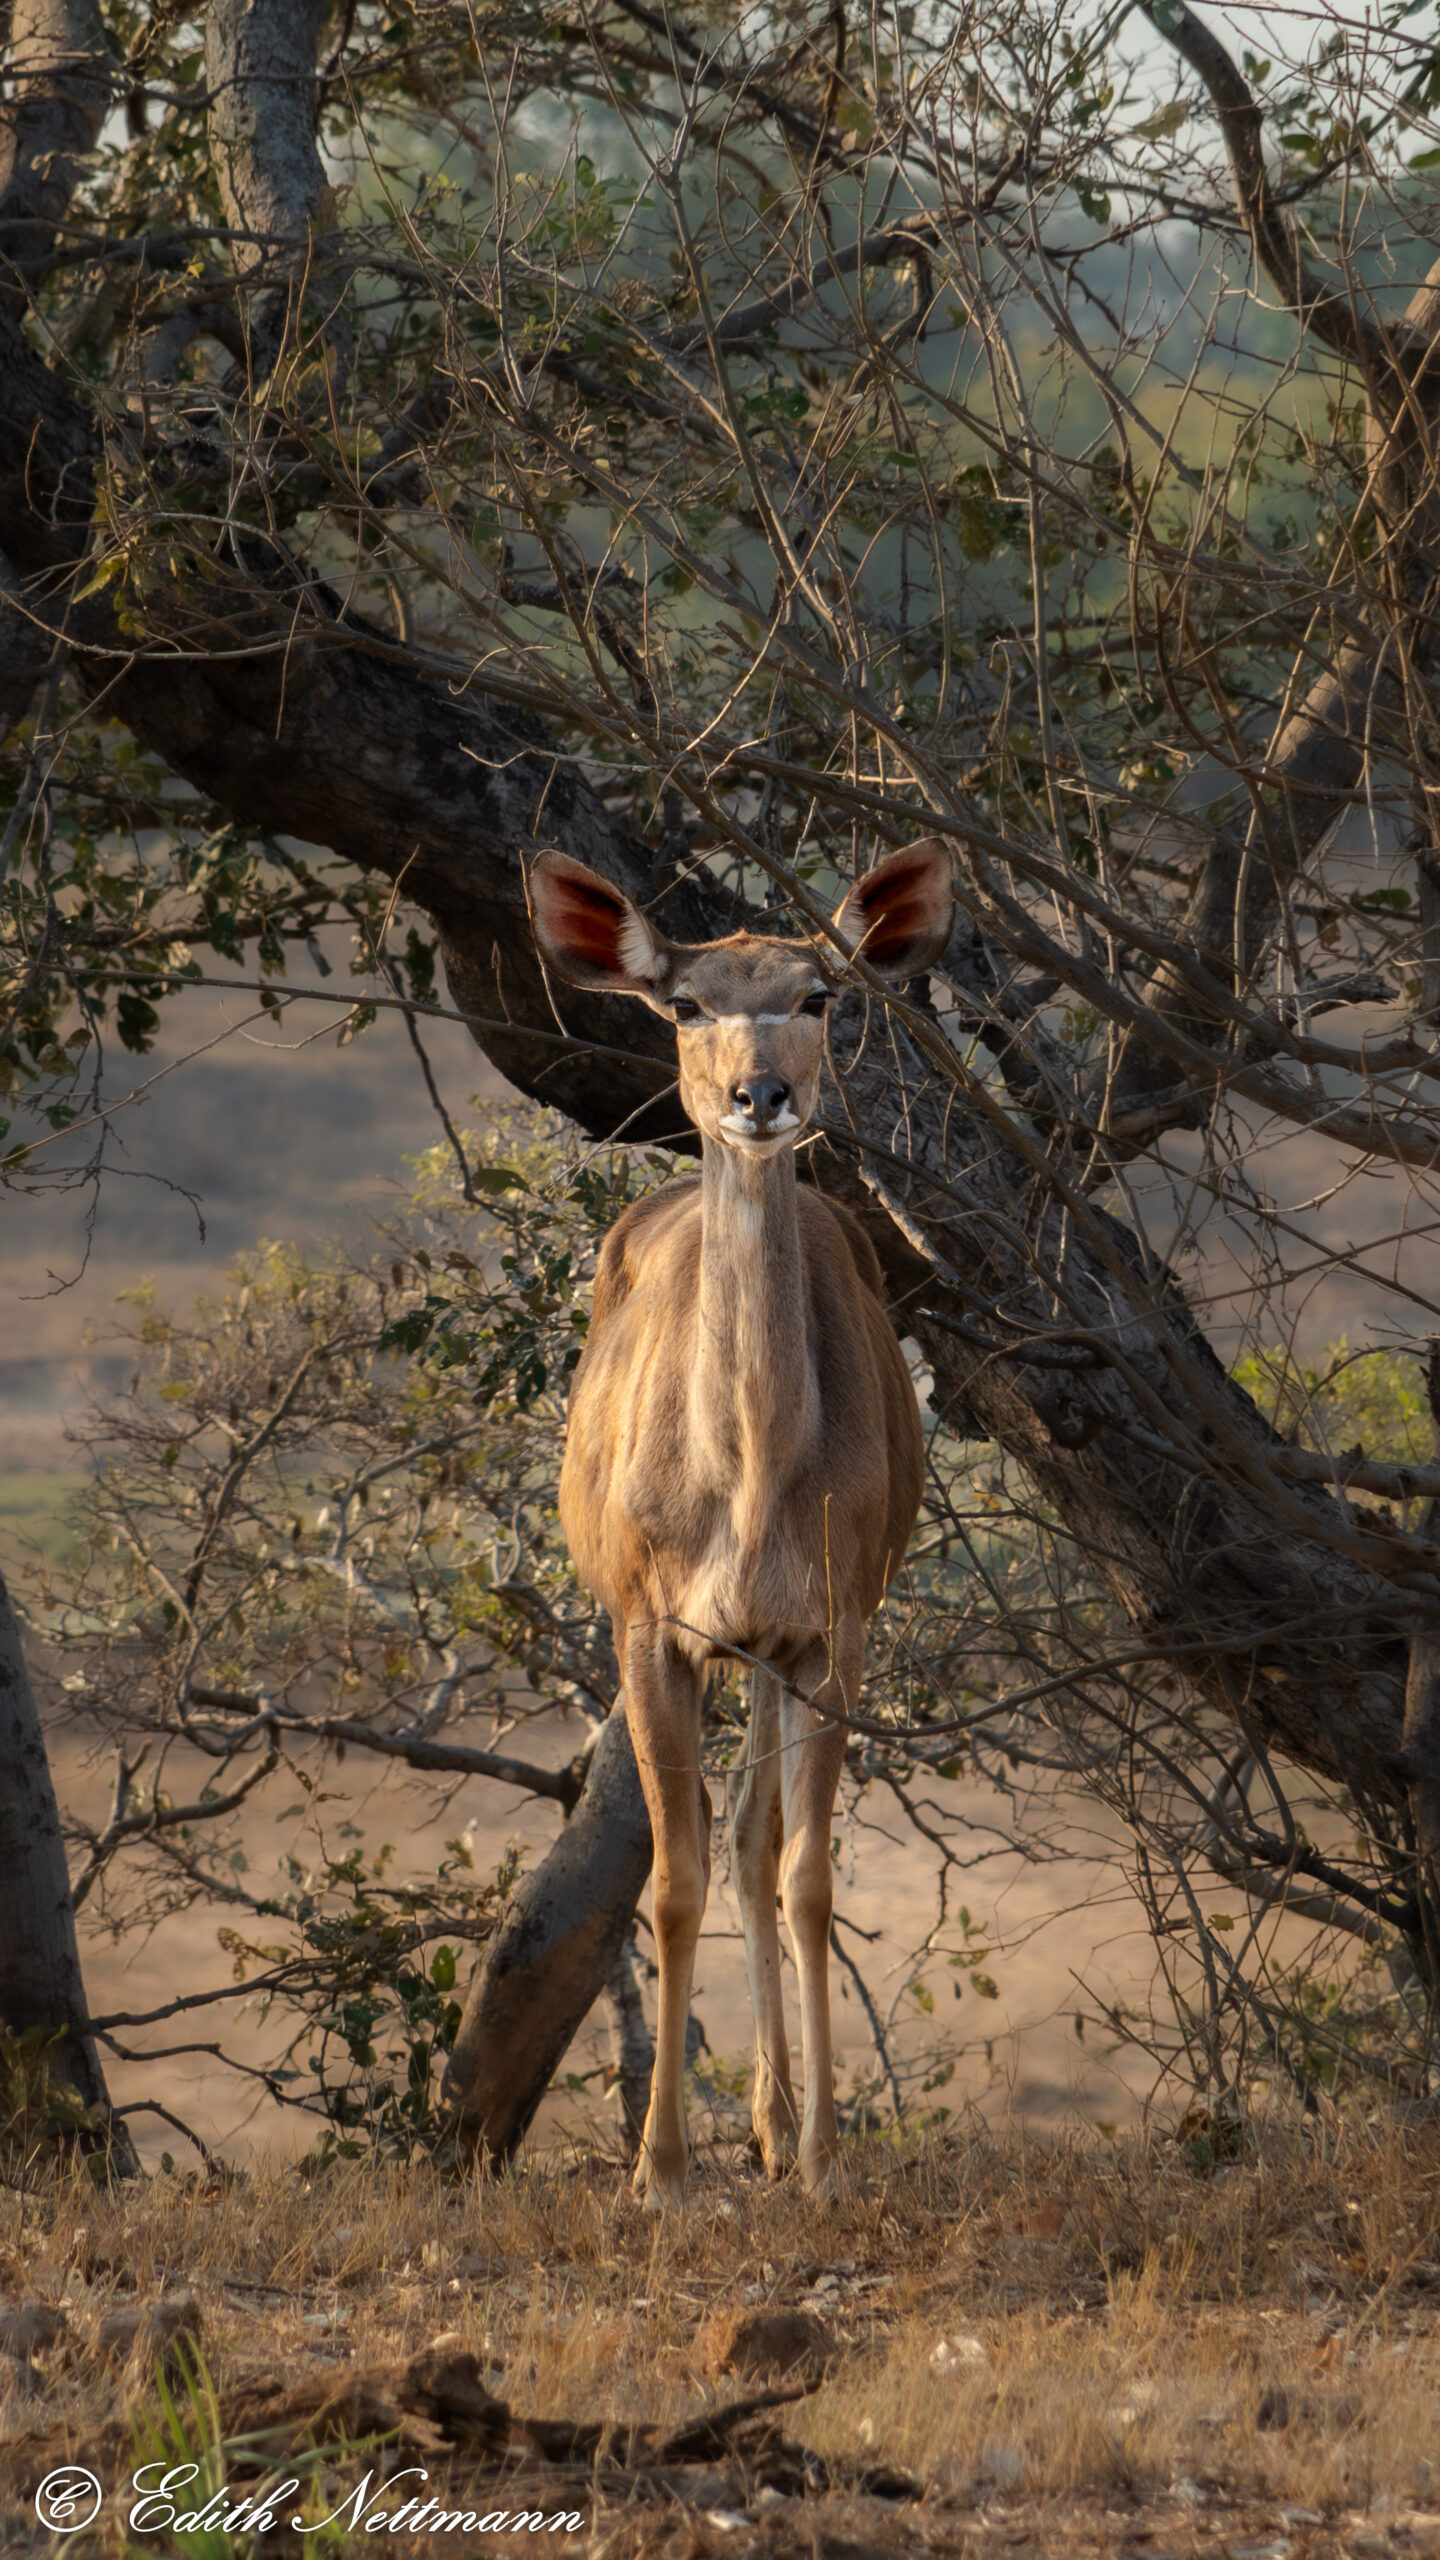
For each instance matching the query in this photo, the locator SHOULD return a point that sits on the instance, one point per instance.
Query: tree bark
(564, 1928)
(61, 82)
(632, 2047)
(260, 66)
(260, 63)
(41, 1988)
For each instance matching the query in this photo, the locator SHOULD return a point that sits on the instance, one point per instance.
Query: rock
(959, 2355)
(29, 2328)
(767, 2345)
(1045, 2221)
(1132, 2407)
(142, 2335)
(1001, 2464)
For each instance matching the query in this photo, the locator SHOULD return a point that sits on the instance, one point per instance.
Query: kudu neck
(755, 1352)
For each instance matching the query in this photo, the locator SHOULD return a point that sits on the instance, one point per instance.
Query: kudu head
(749, 1011)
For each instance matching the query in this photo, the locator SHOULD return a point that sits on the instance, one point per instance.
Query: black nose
(760, 1098)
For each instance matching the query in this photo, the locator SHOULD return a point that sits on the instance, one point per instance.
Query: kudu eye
(685, 1009)
(816, 1003)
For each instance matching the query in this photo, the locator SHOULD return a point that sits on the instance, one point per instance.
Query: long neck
(755, 1394)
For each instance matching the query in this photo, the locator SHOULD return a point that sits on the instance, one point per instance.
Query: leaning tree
(725, 444)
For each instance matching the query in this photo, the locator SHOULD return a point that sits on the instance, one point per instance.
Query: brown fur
(824, 1510)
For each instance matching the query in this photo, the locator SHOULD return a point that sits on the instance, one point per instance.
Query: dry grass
(1138, 2355)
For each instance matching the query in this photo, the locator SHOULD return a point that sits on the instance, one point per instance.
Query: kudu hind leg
(811, 1758)
(753, 1795)
(662, 1695)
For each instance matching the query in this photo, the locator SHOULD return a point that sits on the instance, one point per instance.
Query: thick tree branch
(61, 82)
(260, 62)
(1276, 244)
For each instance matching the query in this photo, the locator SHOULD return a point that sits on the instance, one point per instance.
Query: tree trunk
(41, 1989)
(632, 2046)
(556, 1949)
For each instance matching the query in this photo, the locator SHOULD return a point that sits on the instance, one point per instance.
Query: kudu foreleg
(754, 1794)
(812, 1754)
(663, 1696)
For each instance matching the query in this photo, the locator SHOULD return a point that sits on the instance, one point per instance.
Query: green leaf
(105, 576)
(784, 405)
(442, 1968)
(1166, 120)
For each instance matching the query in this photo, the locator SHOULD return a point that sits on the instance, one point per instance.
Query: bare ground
(1028, 2346)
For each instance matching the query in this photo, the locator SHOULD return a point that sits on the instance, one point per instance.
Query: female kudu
(743, 1463)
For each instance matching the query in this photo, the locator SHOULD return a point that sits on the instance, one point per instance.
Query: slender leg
(662, 1695)
(754, 1794)
(813, 1748)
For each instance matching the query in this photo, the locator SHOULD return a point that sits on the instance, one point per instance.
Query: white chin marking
(759, 1142)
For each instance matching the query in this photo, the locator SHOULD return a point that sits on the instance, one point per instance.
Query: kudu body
(743, 1460)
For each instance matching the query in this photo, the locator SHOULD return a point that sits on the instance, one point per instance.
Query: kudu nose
(760, 1098)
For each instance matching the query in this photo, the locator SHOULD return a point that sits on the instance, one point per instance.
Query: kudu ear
(590, 933)
(898, 916)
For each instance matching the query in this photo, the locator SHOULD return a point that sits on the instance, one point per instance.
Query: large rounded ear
(899, 916)
(588, 931)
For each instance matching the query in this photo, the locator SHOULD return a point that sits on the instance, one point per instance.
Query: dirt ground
(981, 2345)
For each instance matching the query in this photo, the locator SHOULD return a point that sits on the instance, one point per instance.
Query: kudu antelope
(743, 1461)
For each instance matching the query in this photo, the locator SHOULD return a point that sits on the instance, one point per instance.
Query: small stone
(1132, 2407)
(142, 2335)
(759, 2345)
(1002, 2464)
(29, 2328)
(1275, 2411)
(963, 2354)
(1042, 2221)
